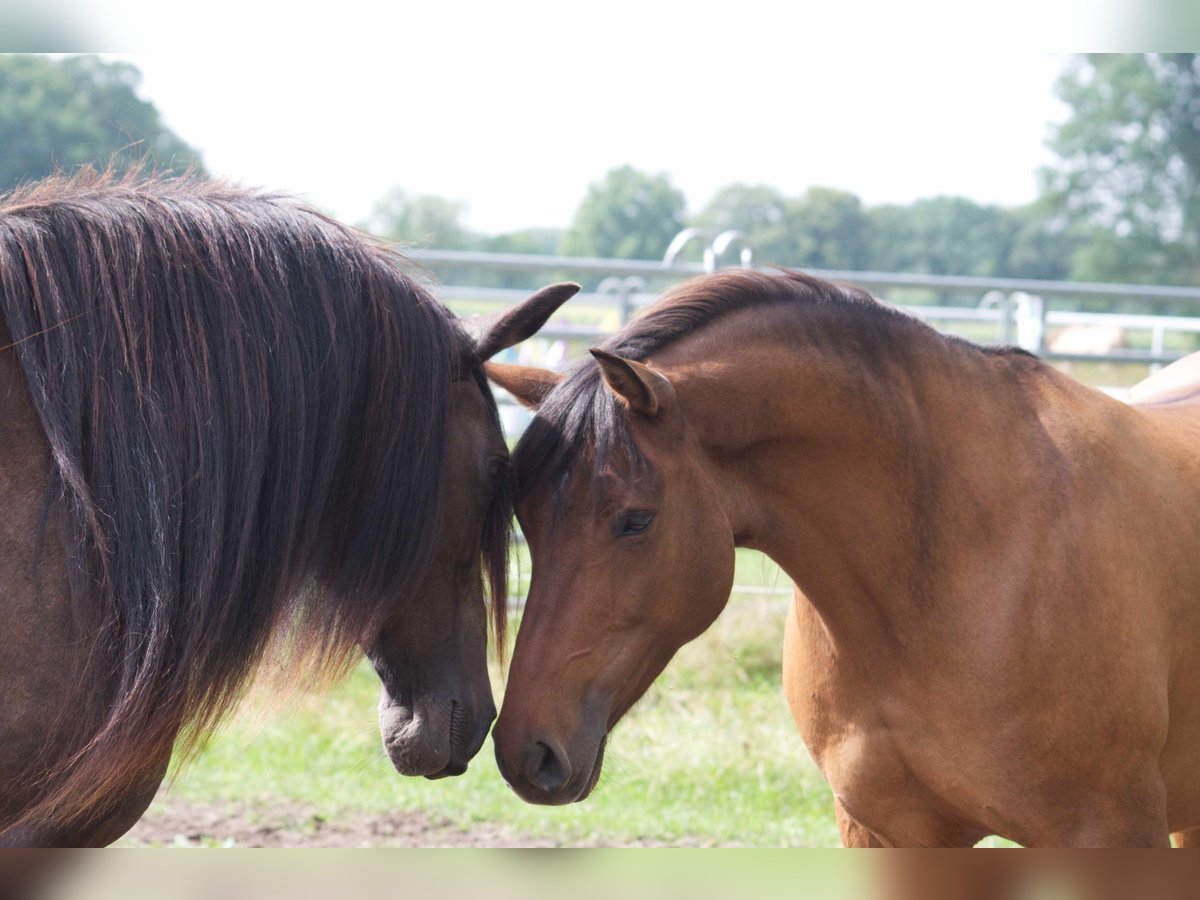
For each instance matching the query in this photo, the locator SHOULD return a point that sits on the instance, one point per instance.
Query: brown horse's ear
(528, 384)
(501, 331)
(641, 388)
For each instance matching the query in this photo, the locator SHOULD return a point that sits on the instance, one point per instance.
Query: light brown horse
(225, 418)
(999, 631)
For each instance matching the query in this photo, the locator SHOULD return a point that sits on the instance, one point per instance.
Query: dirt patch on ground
(181, 824)
(185, 824)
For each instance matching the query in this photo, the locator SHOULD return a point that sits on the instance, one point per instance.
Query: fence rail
(594, 266)
(1022, 309)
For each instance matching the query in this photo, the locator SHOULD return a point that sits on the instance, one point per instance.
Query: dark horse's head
(431, 655)
(262, 431)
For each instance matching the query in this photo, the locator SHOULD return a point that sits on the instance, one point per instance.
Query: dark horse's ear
(528, 384)
(637, 385)
(511, 326)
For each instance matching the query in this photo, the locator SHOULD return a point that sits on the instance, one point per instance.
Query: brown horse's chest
(843, 723)
(949, 756)
(895, 773)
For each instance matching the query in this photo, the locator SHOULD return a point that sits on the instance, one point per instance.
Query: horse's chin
(452, 770)
(594, 776)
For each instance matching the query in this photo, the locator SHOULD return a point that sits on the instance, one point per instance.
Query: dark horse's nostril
(546, 769)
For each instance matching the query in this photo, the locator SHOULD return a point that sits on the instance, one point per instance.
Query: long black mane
(246, 407)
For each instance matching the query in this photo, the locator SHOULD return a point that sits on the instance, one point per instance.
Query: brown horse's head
(431, 655)
(632, 557)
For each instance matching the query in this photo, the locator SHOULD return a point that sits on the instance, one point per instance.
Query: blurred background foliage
(59, 114)
(1121, 202)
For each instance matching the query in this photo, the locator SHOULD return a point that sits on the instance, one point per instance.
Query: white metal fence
(1022, 311)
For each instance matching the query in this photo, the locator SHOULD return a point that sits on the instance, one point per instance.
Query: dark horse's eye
(635, 521)
(498, 467)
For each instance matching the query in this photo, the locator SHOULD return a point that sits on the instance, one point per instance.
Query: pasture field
(709, 757)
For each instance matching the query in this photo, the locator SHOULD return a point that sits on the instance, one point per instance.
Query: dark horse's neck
(876, 463)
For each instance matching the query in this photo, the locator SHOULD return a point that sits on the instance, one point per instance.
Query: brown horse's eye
(635, 521)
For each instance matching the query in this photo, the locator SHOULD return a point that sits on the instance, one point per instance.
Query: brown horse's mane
(246, 407)
(579, 416)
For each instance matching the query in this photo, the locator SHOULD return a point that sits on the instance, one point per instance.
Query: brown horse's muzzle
(546, 772)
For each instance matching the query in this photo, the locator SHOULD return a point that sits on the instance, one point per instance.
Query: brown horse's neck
(867, 476)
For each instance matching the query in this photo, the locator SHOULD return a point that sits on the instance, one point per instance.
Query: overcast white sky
(515, 108)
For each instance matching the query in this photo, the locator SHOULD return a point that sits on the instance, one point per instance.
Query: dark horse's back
(209, 398)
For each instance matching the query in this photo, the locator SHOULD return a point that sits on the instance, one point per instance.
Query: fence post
(623, 289)
(1031, 321)
(715, 249)
(722, 241)
(680, 241)
(1004, 303)
(1157, 345)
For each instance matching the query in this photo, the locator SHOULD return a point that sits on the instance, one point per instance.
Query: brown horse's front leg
(924, 829)
(1130, 811)
(1138, 835)
(922, 875)
(854, 833)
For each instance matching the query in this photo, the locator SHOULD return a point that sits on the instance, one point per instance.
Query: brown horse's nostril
(546, 768)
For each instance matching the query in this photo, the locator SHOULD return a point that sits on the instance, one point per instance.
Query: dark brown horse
(999, 631)
(228, 423)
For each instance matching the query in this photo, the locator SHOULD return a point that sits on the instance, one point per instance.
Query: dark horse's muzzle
(431, 735)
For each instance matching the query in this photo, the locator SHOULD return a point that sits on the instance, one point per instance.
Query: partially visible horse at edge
(229, 423)
(997, 621)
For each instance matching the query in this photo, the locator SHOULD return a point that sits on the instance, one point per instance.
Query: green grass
(710, 755)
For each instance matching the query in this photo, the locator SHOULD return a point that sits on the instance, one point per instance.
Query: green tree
(424, 219)
(1129, 166)
(829, 230)
(627, 214)
(536, 241)
(822, 229)
(539, 241)
(60, 114)
(760, 212)
(944, 236)
(1040, 247)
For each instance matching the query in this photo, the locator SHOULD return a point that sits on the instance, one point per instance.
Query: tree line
(1120, 203)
